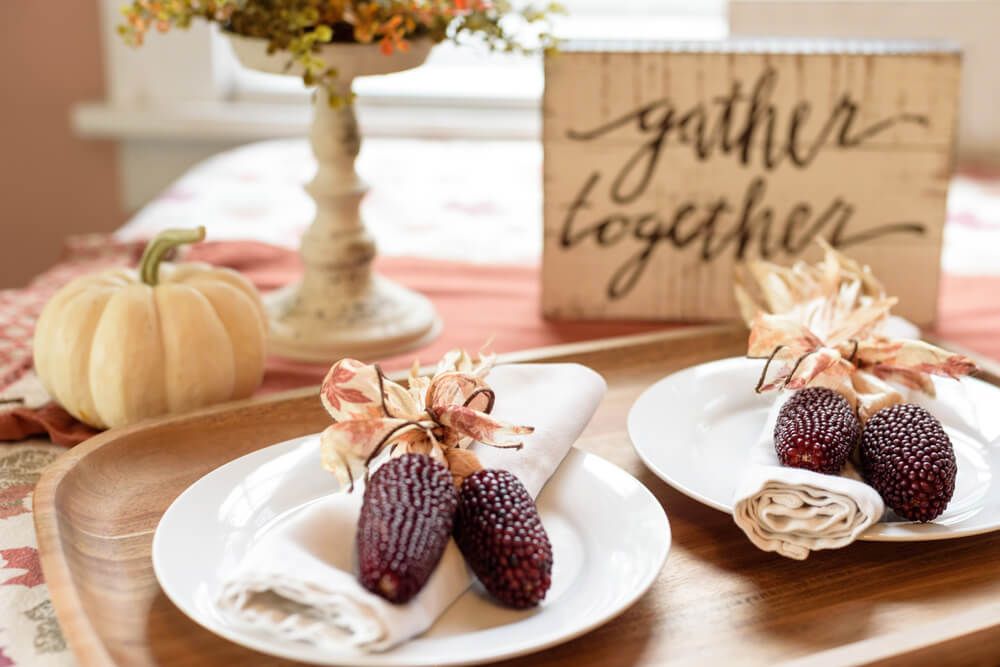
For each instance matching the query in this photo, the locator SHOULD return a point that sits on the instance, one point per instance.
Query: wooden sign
(666, 165)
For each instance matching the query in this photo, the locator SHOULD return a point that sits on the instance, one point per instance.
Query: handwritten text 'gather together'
(747, 128)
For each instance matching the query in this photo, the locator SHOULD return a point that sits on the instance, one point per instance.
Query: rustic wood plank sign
(666, 165)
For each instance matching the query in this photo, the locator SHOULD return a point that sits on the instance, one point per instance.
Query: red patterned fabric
(50, 420)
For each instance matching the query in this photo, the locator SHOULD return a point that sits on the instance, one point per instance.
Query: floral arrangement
(300, 27)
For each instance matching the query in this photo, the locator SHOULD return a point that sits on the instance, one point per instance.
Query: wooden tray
(718, 601)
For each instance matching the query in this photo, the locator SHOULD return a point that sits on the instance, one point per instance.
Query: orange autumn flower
(301, 27)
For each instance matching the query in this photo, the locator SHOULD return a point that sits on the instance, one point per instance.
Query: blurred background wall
(52, 182)
(973, 24)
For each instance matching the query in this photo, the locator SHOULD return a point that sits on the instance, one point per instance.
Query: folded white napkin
(297, 581)
(793, 511)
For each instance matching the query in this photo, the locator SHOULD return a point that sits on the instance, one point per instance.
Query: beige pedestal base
(385, 320)
(341, 308)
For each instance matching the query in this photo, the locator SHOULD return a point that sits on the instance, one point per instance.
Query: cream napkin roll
(297, 581)
(793, 511)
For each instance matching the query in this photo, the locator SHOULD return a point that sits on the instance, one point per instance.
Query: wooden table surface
(718, 600)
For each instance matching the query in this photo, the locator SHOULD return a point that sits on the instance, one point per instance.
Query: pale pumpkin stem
(157, 249)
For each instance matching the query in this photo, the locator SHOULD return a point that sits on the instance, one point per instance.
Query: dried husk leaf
(355, 390)
(820, 325)
(348, 446)
(433, 415)
(419, 442)
(479, 426)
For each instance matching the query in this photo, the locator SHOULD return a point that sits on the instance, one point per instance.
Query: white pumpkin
(124, 345)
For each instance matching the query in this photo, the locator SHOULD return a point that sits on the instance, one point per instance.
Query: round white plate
(693, 429)
(609, 535)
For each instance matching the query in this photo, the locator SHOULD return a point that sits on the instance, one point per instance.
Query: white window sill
(250, 121)
(460, 94)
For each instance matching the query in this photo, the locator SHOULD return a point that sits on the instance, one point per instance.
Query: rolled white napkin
(793, 511)
(297, 581)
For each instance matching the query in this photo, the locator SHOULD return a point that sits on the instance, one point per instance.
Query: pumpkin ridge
(161, 347)
(179, 387)
(42, 336)
(124, 306)
(97, 419)
(41, 340)
(196, 271)
(58, 317)
(108, 292)
(249, 351)
(235, 345)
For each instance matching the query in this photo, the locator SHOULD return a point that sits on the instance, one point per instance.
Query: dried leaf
(819, 325)
(913, 355)
(351, 390)
(451, 387)
(481, 427)
(355, 390)
(432, 416)
(824, 361)
(346, 447)
(769, 331)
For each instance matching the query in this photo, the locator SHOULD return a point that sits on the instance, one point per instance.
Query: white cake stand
(341, 308)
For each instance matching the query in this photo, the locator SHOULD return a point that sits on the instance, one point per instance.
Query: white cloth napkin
(793, 511)
(297, 582)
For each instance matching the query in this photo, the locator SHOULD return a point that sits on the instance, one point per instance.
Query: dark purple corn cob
(908, 458)
(499, 532)
(817, 430)
(404, 527)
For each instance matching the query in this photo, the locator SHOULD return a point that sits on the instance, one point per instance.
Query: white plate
(609, 535)
(693, 430)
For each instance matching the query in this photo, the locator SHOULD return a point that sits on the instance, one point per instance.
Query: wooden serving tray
(718, 601)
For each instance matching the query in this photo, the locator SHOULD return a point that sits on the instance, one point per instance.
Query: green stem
(157, 249)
